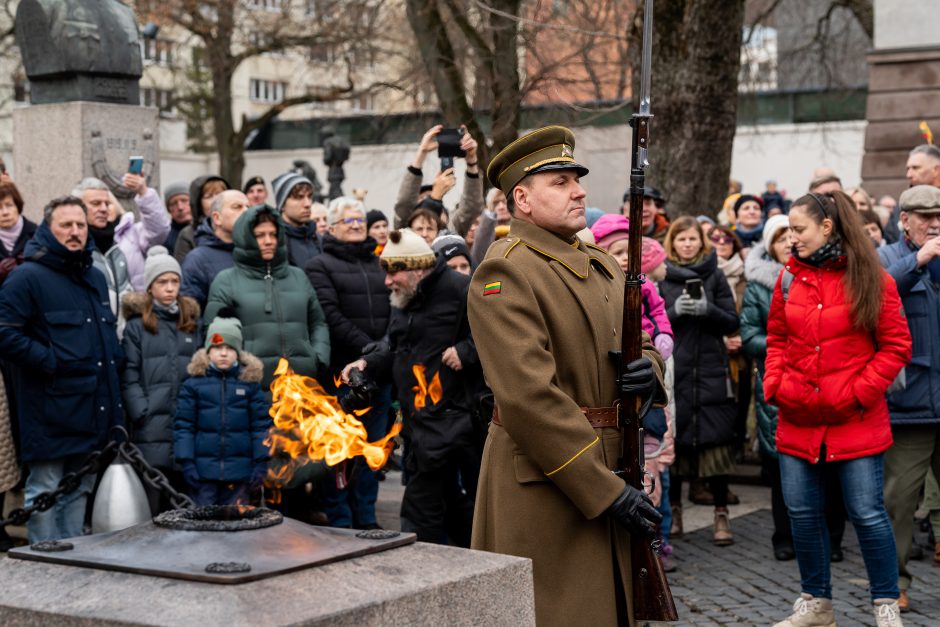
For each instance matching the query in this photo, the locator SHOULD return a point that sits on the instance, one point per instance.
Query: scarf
(104, 238)
(749, 236)
(173, 308)
(828, 253)
(9, 236)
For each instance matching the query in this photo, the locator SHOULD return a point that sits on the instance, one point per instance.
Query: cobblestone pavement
(744, 585)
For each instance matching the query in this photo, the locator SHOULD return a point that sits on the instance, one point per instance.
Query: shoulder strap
(785, 284)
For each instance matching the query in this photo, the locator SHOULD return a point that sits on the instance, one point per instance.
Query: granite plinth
(57, 145)
(419, 584)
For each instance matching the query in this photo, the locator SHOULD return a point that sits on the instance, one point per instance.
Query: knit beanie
(255, 180)
(772, 227)
(225, 331)
(610, 228)
(406, 250)
(449, 246)
(743, 198)
(159, 261)
(373, 216)
(651, 256)
(175, 189)
(283, 184)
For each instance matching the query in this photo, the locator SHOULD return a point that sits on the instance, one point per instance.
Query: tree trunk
(696, 59)
(507, 96)
(439, 60)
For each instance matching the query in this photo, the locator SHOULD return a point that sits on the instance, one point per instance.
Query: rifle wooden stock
(652, 599)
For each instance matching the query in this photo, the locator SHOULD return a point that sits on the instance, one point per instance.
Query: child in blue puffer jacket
(222, 420)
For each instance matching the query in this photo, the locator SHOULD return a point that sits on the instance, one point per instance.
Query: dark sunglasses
(721, 240)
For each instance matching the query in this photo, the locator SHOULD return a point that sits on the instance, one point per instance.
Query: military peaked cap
(548, 148)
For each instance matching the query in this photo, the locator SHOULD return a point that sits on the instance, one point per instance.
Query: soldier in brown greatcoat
(545, 309)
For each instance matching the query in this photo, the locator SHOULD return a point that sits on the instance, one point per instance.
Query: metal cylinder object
(121, 501)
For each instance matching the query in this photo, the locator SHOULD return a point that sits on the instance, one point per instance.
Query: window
(324, 53)
(159, 98)
(157, 51)
(267, 5)
(260, 90)
(364, 102)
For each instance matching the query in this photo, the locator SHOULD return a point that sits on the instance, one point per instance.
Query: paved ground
(743, 584)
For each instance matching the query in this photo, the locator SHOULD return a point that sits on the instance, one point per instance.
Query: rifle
(652, 599)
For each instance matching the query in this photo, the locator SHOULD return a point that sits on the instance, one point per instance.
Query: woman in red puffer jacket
(836, 339)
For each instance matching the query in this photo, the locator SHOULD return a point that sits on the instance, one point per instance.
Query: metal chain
(151, 476)
(70, 482)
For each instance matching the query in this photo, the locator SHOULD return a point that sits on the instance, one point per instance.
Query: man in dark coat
(293, 194)
(214, 246)
(350, 286)
(914, 263)
(56, 325)
(432, 360)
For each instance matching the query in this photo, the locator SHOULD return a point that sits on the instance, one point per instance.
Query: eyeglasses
(351, 221)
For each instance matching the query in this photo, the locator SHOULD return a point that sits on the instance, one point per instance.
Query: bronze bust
(79, 50)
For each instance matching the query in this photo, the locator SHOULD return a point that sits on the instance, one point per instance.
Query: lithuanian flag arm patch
(492, 288)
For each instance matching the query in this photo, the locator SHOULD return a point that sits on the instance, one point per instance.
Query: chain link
(153, 477)
(68, 483)
(71, 482)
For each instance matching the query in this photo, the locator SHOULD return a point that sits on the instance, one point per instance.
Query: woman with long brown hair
(159, 340)
(702, 312)
(836, 339)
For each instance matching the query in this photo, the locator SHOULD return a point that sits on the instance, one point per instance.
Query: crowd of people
(817, 315)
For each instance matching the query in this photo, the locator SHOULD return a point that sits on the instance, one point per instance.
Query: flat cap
(920, 198)
(548, 148)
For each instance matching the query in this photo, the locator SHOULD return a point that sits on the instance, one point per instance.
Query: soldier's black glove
(639, 379)
(634, 510)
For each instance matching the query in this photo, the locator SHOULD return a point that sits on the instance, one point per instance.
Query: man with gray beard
(430, 357)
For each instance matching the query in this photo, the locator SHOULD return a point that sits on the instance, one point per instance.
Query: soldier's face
(553, 200)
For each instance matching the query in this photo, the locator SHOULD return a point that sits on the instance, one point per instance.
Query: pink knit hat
(653, 255)
(610, 228)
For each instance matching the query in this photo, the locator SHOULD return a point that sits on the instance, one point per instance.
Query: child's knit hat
(227, 331)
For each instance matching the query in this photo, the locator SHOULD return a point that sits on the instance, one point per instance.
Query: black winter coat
(350, 285)
(303, 244)
(156, 367)
(434, 320)
(705, 404)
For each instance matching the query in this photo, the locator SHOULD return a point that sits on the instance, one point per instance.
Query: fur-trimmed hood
(134, 303)
(250, 368)
(761, 268)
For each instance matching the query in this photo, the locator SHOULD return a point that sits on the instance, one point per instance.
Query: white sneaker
(809, 611)
(887, 613)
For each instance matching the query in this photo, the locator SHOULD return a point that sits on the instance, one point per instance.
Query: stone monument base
(57, 145)
(420, 584)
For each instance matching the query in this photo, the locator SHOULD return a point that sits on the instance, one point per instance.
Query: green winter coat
(761, 272)
(277, 306)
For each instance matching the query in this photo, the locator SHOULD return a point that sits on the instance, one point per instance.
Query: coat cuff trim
(577, 455)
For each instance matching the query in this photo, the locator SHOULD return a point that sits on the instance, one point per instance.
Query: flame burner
(216, 544)
(219, 518)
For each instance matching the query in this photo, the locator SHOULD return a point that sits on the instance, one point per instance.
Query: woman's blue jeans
(862, 483)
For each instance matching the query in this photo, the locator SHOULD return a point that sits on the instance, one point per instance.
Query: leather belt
(597, 416)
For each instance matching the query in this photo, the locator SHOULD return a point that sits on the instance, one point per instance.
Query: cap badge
(566, 151)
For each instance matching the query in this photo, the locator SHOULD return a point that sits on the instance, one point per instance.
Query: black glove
(634, 510)
(638, 379)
